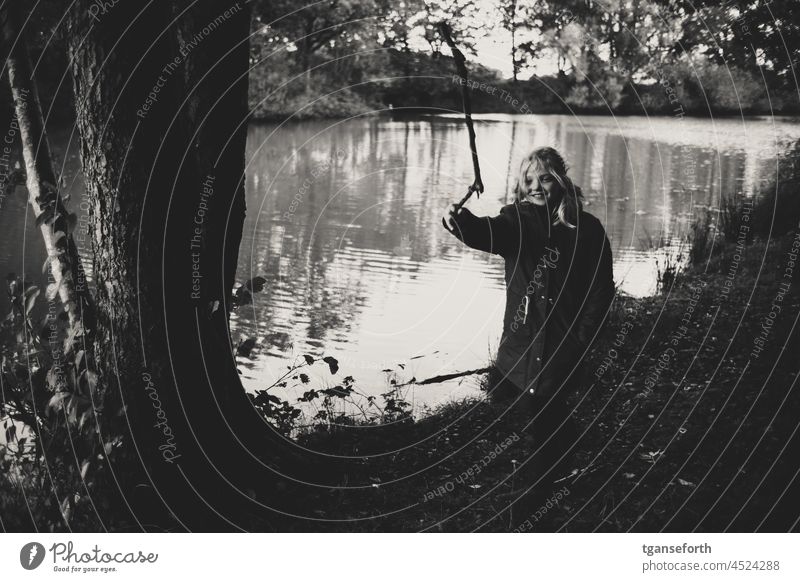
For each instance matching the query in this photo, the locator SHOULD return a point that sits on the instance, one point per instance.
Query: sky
(493, 50)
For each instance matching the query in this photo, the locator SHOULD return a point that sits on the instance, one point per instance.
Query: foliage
(329, 408)
(342, 58)
(48, 409)
(778, 210)
(701, 239)
(774, 213)
(669, 261)
(604, 95)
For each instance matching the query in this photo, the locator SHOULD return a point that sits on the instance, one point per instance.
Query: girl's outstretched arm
(499, 234)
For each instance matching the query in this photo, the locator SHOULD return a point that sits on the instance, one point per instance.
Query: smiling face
(541, 187)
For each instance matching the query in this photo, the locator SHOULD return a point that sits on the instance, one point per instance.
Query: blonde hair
(547, 159)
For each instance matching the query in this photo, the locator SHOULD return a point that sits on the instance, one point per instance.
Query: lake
(343, 222)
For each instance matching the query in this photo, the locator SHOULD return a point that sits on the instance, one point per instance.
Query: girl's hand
(449, 218)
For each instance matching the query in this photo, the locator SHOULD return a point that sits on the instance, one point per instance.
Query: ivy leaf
(246, 347)
(256, 284)
(242, 296)
(309, 359)
(31, 293)
(308, 396)
(332, 362)
(57, 400)
(338, 391)
(87, 382)
(66, 509)
(52, 289)
(304, 378)
(47, 215)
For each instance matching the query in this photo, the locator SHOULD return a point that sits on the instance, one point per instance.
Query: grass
(683, 426)
(707, 445)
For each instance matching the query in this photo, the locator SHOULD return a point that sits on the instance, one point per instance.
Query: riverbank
(687, 417)
(677, 92)
(687, 421)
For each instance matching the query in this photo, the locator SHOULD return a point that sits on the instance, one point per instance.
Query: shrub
(778, 210)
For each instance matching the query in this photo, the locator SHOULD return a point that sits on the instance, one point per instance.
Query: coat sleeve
(499, 234)
(600, 294)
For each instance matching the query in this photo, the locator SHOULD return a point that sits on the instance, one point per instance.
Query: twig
(445, 377)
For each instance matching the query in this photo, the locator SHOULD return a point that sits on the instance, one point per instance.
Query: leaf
(308, 396)
(72, 411)
(52, 289)
(304, 378)
(243, 296)
(65, 508)
(246, 347)
(256, 284)
(72, 222)
(309, 359)
(58, 235)
(74, 333)
(88, 382)
(54, 379)
(337, 391)
(57, 400)
(332, 362)
(47, 215)
(79, 359)
(30, 298)
(84, 418)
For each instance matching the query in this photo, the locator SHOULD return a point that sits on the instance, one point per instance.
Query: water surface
(343, 222)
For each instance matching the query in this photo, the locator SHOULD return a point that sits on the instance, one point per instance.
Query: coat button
(538, 359)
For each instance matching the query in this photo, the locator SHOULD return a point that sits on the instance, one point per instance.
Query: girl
(559, 287)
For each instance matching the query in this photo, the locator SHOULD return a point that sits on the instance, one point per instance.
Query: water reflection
(343, 221)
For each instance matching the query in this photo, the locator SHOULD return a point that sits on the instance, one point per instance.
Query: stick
(461, 71)
(445, 377)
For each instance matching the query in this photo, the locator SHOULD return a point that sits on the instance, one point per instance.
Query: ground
(684, 426)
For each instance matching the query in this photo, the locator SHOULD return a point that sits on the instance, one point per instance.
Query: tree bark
(161, 98)
(55, 222)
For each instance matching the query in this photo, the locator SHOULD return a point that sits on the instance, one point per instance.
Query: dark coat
(559, 286)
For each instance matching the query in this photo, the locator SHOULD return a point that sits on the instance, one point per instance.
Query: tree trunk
(514, 64)
(161, 98)
(68, 281)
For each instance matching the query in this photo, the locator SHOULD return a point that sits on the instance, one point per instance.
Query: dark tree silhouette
(161, 99)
